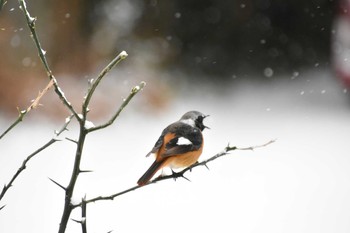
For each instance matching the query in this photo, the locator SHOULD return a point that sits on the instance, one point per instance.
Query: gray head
(195, 119)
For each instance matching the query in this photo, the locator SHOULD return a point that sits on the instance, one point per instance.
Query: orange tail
(150, 172)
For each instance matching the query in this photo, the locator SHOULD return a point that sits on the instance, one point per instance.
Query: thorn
(185, 178)
(206, 166)
(179, 174)
(59, 185)
(2, 207)
(228, 147)
(193, 165)
(77, 221)
(72, 140)
(175, 174)
(85, 171)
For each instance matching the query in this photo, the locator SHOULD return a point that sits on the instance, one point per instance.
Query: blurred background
(262, 69)
(168, 42)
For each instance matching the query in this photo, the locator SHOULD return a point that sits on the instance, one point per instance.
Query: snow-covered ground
(298, 184)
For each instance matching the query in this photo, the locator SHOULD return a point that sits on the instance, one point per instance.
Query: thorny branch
(24, 163)
(84, 130)
(82, 119)
(95, 83)
(177, 174)
(35, 103)
(42, 55)
(82, 222)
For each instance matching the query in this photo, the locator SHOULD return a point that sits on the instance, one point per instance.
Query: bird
(179, 146)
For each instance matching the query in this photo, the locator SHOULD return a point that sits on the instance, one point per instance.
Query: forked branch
(126, 101)
(35, 103)
(24, 163)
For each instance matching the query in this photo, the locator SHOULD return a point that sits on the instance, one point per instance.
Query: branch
(177, 174)
(204, 162)
(126, 101)
(73, 178)
(95, 83)
(83, 216)
(18, 120)
(42, 55)
(22, 113)
(85, 128)
(24, 163)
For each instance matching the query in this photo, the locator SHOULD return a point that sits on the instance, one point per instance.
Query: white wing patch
(183, 141)
(189, 122)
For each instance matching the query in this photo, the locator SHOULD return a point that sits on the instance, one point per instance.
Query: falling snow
(268, 72)
(295, 74)
(27, 61)
(177, 15)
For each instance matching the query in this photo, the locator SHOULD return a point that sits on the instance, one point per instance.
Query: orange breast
(184, 160)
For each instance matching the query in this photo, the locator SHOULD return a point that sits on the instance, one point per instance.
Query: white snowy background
(300, 183)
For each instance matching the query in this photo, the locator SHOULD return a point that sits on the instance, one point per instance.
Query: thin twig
(42, 55)
(126, 101)
(175, 175)
(18, 120)
(24, 163)
(36, 101)
(227, 149)
(33, 105)
(95, 83)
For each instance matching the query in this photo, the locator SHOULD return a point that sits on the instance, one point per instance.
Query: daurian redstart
(179, 145)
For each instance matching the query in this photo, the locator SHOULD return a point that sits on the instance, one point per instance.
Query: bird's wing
(158, 144)
(177, 145)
